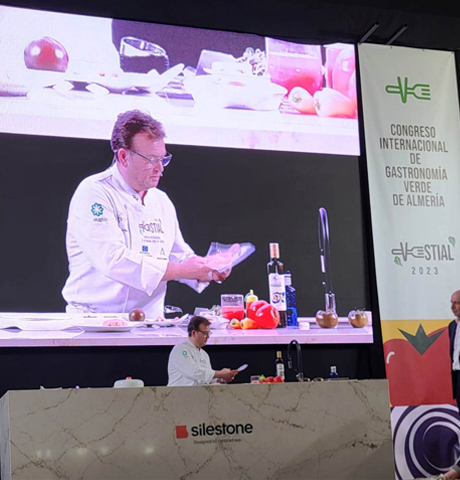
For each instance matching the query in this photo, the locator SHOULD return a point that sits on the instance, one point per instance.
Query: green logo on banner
(421, 91)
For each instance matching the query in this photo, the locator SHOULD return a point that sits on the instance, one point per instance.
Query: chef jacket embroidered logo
(184, 353)
(97, 209)
(151, 227)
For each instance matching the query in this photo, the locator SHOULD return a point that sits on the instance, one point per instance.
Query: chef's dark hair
(129, 124)
(195, 323)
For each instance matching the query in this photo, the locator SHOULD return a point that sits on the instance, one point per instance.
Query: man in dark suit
(454, 337)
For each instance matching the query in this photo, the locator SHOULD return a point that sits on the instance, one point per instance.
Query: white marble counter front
(320, 430)
(55, 330)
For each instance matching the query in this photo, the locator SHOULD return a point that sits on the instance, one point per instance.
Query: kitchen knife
(240, 369)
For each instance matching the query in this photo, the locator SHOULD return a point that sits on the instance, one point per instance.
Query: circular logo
(97, 209)
(425, 439)
(184, 353)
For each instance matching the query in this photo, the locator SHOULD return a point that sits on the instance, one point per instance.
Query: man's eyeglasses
(163, 160)
(206, 334)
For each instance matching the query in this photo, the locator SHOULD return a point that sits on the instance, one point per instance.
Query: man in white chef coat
(189, 364)
(123, 237)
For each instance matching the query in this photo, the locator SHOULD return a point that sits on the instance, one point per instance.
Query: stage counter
(57, 330)
(328, 430)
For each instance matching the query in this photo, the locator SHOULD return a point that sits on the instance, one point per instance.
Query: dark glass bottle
(279, 365)
(277, 289)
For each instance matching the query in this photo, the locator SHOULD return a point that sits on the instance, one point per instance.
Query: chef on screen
(123, 237)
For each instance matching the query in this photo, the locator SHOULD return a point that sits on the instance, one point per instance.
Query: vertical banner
(412, 135)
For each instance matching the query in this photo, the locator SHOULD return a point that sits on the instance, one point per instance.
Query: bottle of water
(291, 306)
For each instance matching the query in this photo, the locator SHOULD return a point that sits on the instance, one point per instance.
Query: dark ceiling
(430, 24)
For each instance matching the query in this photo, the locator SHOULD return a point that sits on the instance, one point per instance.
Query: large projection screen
(264, 133)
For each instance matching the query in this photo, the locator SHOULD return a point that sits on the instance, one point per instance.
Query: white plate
(23, 80)
(102, 329)
(117, 81)
(163, 323)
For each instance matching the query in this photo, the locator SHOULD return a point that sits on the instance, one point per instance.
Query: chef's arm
(184, 265)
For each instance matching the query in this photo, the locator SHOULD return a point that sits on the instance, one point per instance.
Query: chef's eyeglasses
(163, 160)
(206, 334)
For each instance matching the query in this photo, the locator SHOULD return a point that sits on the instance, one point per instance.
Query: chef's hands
(219, 277)
(205, 272)
(225, 375)
(198, 268)
(217, 262)
(195, 268)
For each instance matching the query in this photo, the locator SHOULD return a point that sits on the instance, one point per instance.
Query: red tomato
(267, 317)
(46, 54)
(278, 379)
(254, 307)
(415, 378)
(344, 67)
(269, 379)
(136, 315)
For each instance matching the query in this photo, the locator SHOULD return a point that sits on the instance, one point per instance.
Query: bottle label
(277, 291)
(280, 370)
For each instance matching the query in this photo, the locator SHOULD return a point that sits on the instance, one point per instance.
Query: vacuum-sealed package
(221, 257)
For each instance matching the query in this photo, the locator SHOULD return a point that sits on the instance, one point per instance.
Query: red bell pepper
(267, 316)
(252, 310)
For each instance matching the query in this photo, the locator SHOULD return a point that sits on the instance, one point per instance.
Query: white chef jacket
(189, 365)
(119, 248)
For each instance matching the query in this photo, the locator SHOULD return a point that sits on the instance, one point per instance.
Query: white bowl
(128, 383)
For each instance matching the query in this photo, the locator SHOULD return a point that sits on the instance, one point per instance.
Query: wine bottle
(275, 270)
(279, 364)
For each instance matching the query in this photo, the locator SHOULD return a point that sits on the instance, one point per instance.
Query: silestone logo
(214, 433)
(420, 91)
(437, 252)
(97, 209)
